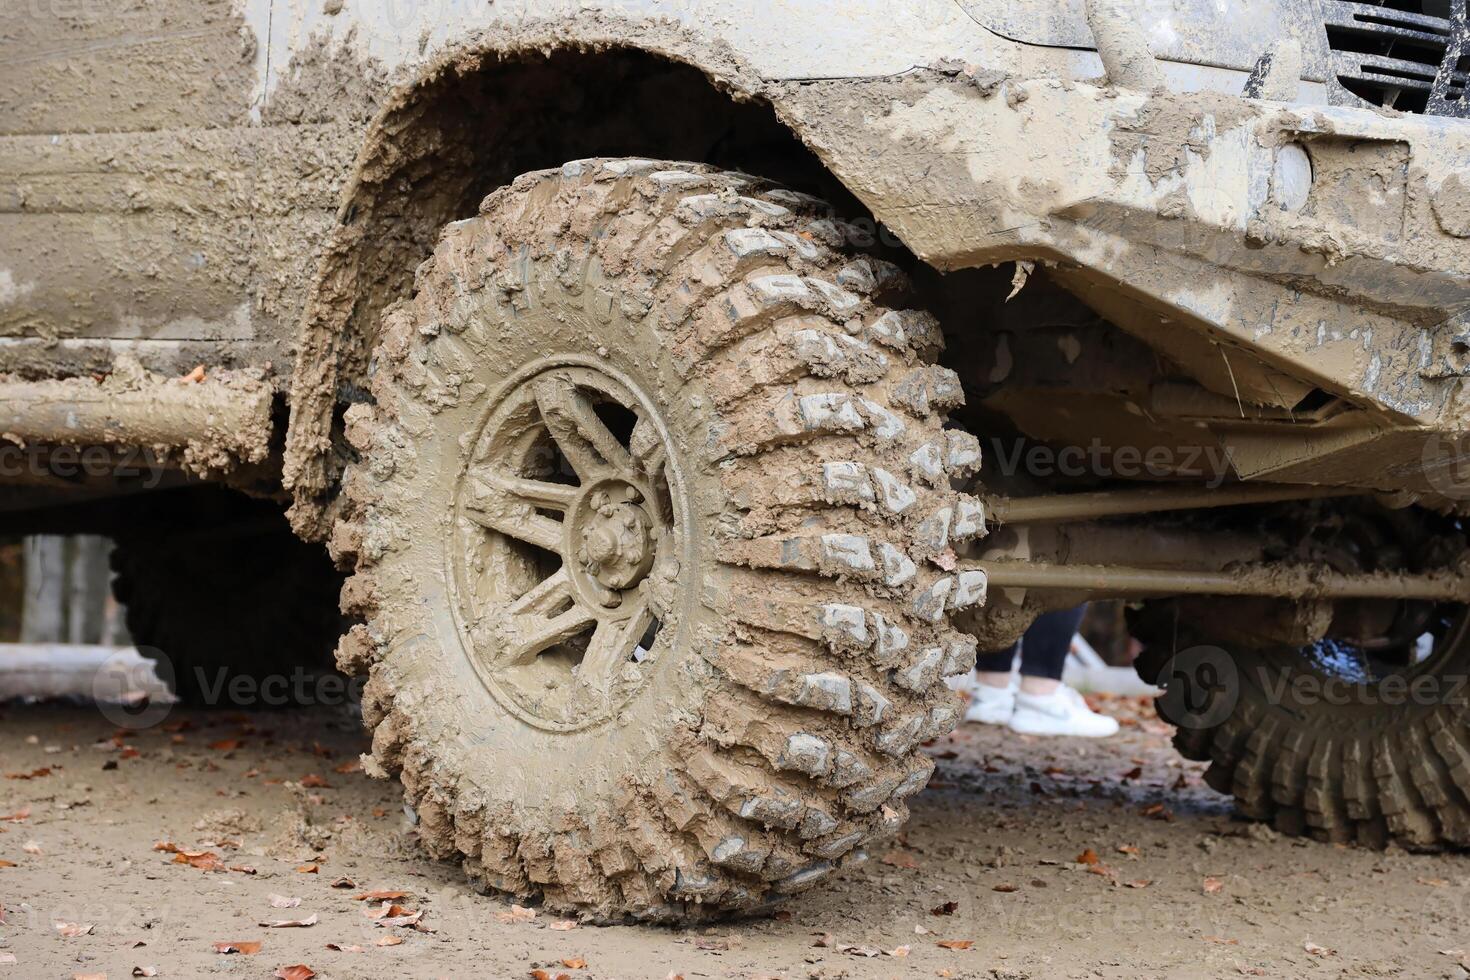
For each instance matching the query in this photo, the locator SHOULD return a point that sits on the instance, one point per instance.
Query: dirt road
(1029, 858)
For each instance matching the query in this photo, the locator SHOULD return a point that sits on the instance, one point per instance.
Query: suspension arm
(1272, 580)
(1056, 508)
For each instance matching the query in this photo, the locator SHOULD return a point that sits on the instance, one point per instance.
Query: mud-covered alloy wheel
(1363, 736)
(641, 531)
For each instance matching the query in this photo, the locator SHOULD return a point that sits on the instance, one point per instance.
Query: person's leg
(1045, 647)
(1044, 705)
(993, 699)
(995, 668)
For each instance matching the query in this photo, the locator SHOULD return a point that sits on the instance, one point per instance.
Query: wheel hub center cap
(615, 546)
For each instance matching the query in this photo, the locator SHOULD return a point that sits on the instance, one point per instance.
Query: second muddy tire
(640, 531)
(1303, 743)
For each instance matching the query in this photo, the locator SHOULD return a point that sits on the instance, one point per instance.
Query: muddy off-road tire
(641, 532)
(1303, 743)
(226, 591)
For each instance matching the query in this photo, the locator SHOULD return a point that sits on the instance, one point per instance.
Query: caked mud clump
(649, 532)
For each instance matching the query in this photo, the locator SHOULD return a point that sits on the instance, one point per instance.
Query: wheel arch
(472, 120)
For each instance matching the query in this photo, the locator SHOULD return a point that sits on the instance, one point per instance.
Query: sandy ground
(991, 859)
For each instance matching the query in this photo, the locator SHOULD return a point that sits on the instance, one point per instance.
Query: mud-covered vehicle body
(659, 484)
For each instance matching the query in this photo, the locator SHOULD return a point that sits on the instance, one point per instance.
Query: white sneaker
(1062, 712)
(991, 705)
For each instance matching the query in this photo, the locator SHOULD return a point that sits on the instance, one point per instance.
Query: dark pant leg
(1045, 646)
(999, 662)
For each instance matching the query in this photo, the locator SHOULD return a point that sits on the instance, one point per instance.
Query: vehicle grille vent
(1410, 55)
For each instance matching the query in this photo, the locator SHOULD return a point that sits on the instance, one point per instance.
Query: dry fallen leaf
(242, 947)
(899, 951)
(313, 781)
(548, 975)
(825, 940)
(386, 910)
(711, 944)
(33, 774)
(72, 929)
(899, 859)
(32, 847)
(145, 971)
(351, 765)
(1212, 885)
(563, 925)
(956, 943)
(854, 949)
(22, 814)
(1138, 883)
(1158, 812)
(389, 916)
(89, 976)
(334, 947)
(225, 745)
(378, 896)
(1221, 940)
(1433, 882)
(195, 376)
(309, 869)
(948, 908)
(1316, 950)
(574, 963)
(517, 913)
(7, 864)
(1006, 887)
(305, 923)
(1088, 856)
(1129, 850)
(203, 860)
(388, 941)
(298, 972)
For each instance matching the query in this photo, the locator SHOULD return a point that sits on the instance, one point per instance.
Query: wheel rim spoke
(587, 443)
(546, 598)
(513, 515)
(612, 646)
(529, 634)
(526, 491)
(647, 447)
(659, 588)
